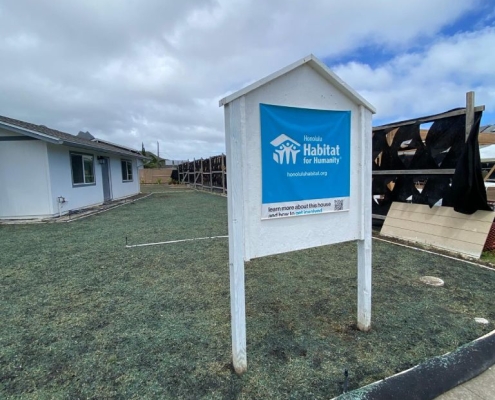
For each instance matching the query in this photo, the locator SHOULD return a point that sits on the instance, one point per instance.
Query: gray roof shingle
(67, 138)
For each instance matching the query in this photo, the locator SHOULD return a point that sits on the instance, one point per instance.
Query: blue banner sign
(305, 161)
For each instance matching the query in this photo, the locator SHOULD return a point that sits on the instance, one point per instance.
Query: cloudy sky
(153, 70)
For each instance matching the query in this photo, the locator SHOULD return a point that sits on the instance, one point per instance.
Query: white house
(45, 172)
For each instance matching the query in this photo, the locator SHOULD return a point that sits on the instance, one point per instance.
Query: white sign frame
(307, 83)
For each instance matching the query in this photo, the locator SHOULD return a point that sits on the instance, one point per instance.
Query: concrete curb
(434, 377)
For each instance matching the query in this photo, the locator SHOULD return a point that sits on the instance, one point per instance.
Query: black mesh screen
(443, 147)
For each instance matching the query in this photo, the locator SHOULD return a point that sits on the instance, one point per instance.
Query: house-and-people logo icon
(286, 149)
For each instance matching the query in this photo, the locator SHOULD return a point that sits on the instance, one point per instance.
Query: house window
(83, 169)
(126, 170)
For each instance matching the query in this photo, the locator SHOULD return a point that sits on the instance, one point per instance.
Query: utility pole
(158, 149)
(469, 112)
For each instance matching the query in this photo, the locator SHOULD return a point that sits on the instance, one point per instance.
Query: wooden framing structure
(469, 111)
(205, 174)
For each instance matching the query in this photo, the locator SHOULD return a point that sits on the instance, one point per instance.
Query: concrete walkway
(480, 388)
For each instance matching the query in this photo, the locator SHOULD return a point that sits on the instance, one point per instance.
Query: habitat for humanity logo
(286, 149)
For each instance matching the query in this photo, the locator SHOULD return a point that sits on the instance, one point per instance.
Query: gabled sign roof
(319, 67)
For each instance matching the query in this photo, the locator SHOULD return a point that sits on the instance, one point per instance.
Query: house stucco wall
(87, 195)
(24, 178)
(33, 174)
(122, 189)
(61, 178)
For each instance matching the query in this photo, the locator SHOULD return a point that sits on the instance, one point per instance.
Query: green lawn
(84, 317)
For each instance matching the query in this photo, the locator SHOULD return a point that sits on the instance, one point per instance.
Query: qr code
(339, 205)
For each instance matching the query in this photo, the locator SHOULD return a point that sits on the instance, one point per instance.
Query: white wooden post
(469, 112)
(364, 245)
(235, 121)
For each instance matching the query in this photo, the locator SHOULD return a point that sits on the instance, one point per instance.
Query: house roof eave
(101, 150)
(62, 138)
(30, 133)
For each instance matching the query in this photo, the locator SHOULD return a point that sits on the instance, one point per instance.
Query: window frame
(83, 156)
(127, 162)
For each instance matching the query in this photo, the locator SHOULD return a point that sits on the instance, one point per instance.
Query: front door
(105, 178)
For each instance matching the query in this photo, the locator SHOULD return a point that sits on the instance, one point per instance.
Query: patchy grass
(488, 256)
(84, 317)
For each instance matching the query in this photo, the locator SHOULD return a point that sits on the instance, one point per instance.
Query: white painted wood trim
(364, 245)
(233, 138)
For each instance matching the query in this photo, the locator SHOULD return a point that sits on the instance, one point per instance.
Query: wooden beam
(469, 113)
(223, 174)
(429, 118)
(198, 173)
(489, 173)
(194, 172)
(416, 172)
(211, 177)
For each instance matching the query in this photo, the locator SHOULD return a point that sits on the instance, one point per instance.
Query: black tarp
(468, 187)
(443, 148)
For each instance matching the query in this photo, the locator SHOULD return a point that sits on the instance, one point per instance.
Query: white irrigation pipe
(383, 240)
(107, 209)
(174, 191)
(173, 241)
(438, 254)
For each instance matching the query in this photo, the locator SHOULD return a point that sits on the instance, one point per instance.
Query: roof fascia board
(319, 67)
(30, 133)
(96, 140)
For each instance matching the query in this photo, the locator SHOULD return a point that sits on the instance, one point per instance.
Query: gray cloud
(142, 71)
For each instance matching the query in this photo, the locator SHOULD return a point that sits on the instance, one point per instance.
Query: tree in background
(153, 160)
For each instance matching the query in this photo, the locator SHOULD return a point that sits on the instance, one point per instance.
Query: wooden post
(211, 176)
(469, 112)
(236, 234)
(202, 174)
(364, 245)
(182, 175)
(194, 173)
(223, 174)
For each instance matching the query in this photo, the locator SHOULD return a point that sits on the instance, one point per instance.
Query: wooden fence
(155, 175)
(205, 174)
